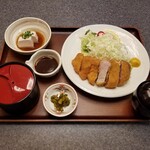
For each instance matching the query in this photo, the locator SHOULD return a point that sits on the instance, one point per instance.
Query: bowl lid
(16, 82)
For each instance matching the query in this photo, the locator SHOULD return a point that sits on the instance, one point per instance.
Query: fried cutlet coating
(85, 67)
(93, 74)
(113, 76)
(125, 70)
(77, 61)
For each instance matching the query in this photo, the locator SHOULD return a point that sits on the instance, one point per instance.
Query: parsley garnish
(26, 34)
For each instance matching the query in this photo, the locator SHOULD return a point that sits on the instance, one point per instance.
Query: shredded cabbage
(107, 45)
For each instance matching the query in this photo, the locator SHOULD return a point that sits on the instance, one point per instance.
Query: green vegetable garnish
(87, 32)
(26, 34)
(60, 101)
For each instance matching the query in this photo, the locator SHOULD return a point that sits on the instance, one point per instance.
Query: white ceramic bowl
(44, 53)
(19, 26)
(57, 89)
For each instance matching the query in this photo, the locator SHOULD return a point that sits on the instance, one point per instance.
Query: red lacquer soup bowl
(19, 91)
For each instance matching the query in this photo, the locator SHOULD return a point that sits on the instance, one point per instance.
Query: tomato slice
(100, 33)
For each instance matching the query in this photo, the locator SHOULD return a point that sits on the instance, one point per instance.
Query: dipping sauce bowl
(45, 62)
(141, 99)
(18, 88)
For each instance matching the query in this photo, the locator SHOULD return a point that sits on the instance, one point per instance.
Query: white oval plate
(72, 46)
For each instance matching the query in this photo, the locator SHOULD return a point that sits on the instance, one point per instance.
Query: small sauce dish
(45, 62)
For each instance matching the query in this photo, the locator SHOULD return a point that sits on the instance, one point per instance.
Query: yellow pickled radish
(135, 62)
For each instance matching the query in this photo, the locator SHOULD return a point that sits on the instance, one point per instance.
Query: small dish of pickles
(60, 99)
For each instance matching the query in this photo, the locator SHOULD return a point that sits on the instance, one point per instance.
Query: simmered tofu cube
(34, 37)
(25, 43)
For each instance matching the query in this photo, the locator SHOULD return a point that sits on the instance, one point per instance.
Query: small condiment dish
(27, 24)
(45, 62)
(56, 90)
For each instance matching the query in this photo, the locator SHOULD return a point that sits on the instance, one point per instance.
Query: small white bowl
(19, 26)
(44, 53)
(57, 89)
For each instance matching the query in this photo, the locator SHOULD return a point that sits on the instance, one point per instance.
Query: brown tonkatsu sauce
(46, 64)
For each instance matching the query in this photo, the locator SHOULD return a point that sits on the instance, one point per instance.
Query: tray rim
(71, 120)
(74, 121)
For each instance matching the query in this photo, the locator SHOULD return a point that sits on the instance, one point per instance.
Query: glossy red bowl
(18, 88)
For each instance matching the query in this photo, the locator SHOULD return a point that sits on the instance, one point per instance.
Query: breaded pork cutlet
(113, 76)
(85, 67)
(106, 73)
(77, 61)
(125, 70)
(92, 75)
